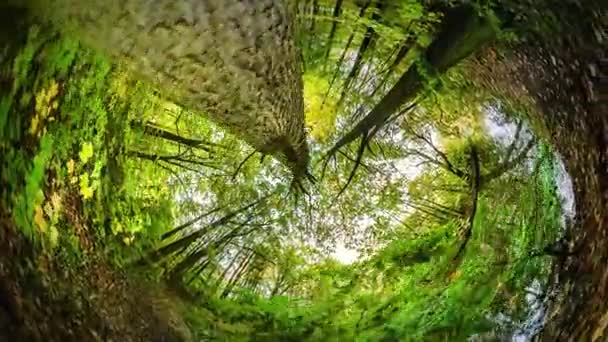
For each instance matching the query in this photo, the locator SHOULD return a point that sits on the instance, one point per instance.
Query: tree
(368, 41)
(273, 125)
(448, 216)
(455, 41)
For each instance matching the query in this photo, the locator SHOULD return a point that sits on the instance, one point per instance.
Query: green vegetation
(450, 219)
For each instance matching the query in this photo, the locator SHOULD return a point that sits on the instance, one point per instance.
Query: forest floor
(72, 293)
(565, 77)
(56, 281)
(50, 298)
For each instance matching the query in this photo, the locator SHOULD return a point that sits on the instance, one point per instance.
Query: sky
(504, 133)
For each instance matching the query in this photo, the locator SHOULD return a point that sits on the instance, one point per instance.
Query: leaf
(86, 190)
(53, 89)
(56, 202)
(99, 164)
(70, 165)
(86, 152)
(39, 218)
(53, 236)
(34, 124)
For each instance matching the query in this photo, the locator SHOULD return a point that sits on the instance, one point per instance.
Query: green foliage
(32, 196)
(320, 117)
(106, 166)
(80, 123)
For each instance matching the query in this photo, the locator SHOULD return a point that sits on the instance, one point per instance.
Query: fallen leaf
(39, 218)
(70, 165)
(34, 124)
(56, 202)
(53, 89)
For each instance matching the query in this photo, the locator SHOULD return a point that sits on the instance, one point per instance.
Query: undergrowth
(68, 103)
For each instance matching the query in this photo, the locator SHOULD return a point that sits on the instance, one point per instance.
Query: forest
(303, 170)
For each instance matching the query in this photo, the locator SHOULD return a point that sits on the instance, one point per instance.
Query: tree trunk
(227, 59)
(334, 27)
(463, 33)
(368, 41)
